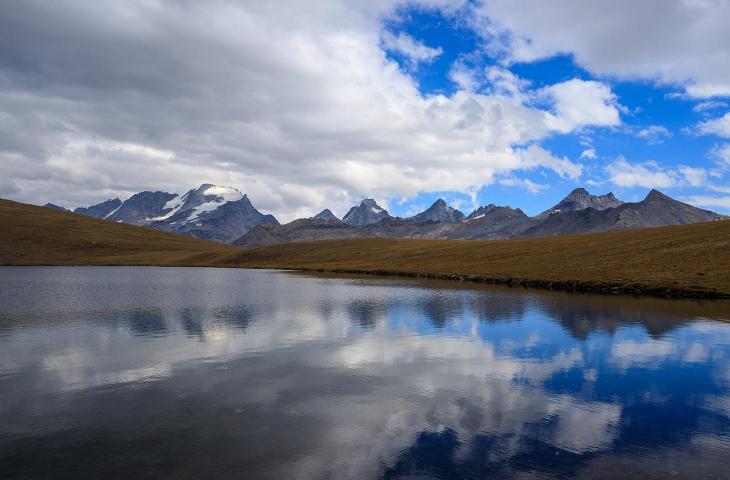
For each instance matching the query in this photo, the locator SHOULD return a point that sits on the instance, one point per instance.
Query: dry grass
(686, 259)
(33, 235)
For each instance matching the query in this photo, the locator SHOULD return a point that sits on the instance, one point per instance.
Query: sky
(313, 105)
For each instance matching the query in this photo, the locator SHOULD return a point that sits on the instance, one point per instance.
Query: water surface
(221, 373)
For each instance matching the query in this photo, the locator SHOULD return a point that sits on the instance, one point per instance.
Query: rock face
(580, 199)
(325, 214)
(53, 206)
(142, 207)
(439, 212)
(492, 222)
(656, 210)
(100, 210)
(210, 212)
(367, 212)
(213, 213)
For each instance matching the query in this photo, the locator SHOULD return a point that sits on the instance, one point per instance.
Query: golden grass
(678, 260)
(693, 259)
(33, 235)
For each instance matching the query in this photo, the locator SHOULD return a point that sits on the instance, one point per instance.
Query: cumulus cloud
(717, 126)
(579, 102)
(685, 44)
(654, 133)
(302, 111)
(647, 175)
(650, 174)
(411, 48)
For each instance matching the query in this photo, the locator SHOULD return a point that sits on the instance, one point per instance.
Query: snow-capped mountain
(209, 211)
(367, 212)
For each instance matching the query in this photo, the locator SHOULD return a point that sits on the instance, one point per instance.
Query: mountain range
(226, 215)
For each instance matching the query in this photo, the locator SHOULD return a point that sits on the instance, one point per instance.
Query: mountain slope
(367, 212)
(34, 235)
(581, 199)
(439, 212)
(655, 210)
(209, 212)
(100, 210)
(325, 214)
(492, 222)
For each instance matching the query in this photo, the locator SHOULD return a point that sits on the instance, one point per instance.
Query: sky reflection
(204, 372)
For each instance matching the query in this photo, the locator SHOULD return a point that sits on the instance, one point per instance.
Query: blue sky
(658, 122)
(306, 106)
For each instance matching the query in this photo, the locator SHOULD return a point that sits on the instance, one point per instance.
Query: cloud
(647, 175)
(525, 183)
(694, 176)
(709, 105)
(717, 126)
(653, 175)
(654, 133)
(415, 51)
(685, 44)
(302, 111)
(580, 102)
(590, 154)
(710, 201)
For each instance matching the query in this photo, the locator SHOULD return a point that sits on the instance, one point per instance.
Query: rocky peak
(100, 210)
(325, 214)
(439, 212)
(53, 206)
(580, 199)
(367, 212)
(481, 211)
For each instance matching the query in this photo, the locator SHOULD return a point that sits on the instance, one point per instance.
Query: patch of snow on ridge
(478, 216)
(174, 204)
(223, 194)
(229, 194)
(113, 211)
(376, 210)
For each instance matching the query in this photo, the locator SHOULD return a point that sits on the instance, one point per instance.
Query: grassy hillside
(31, 235)
(679, 260)
(685, 259)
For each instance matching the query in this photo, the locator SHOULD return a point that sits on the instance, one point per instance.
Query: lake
(136, 372)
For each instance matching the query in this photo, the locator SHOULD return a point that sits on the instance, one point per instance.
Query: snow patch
(224, 194)
(113, 211)
(174, 204)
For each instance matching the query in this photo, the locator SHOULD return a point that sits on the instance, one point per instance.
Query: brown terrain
(682, 260)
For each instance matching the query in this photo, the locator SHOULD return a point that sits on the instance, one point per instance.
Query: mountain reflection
(293, 376)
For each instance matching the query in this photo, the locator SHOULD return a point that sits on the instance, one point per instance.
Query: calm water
(207, 373)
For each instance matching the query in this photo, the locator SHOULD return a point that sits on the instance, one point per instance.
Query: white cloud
(580, 102)
(709, 105)
(408, 46)
(525, 183)
(684, 42)
(717, 126)
(722, 154)
(654, 133)
(695, 176)
(648, 175)
(302, 111)
(710, 201)
(590, 154)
